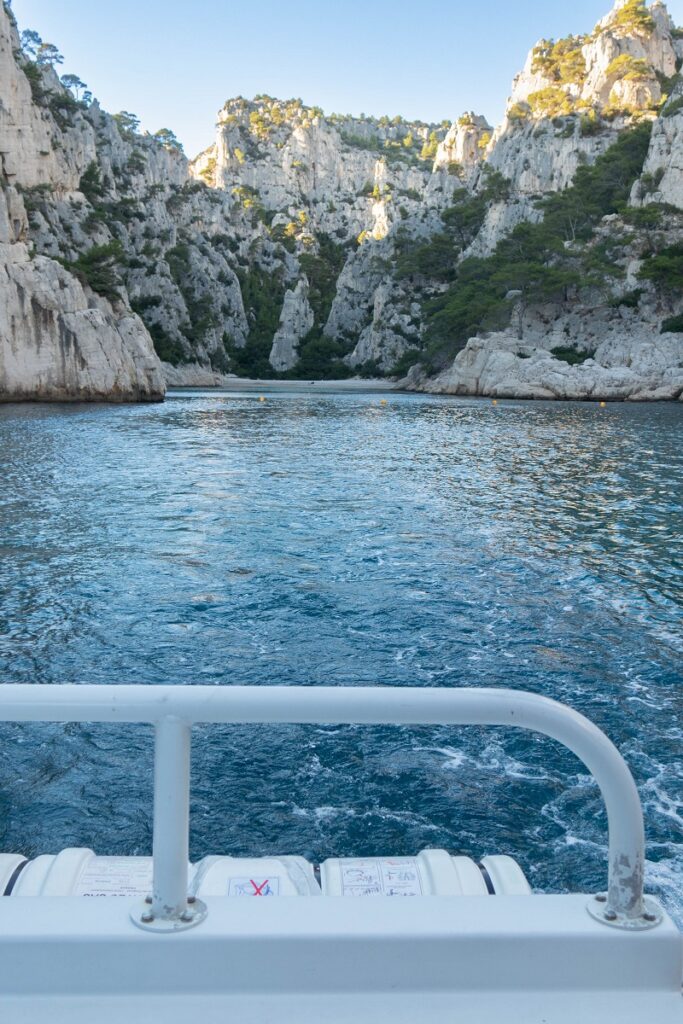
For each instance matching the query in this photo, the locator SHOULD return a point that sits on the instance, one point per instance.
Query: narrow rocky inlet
(539, 259)
(341, 484)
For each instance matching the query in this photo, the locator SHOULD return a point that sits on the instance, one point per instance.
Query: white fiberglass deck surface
(343, 1008)
(472, 960)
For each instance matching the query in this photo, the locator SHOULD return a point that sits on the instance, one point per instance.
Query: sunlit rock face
(299, 177)
(56, 341)
(55, 347)
(33, 150)
(461, 150)
(614, 72)
(292, 158)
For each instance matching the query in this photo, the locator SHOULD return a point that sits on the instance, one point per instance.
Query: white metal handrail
(174, 709)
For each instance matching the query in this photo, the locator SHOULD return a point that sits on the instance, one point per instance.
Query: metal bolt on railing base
(651, 915)
(144, 917)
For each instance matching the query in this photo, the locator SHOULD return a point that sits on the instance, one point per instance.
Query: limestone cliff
(327, 195)
(58, 339)
(296, 320)
(621, 360)
(591, 290)
(325, 245)
(662, 178)
(57, 342)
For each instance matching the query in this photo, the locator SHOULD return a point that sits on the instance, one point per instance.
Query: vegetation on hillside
(665, 269)
(536, 263)
(634, 16)
(437, 259)
(91, 184)
(630, 69)
(564, 64)
(99, 267)
(262, 294)
(319, 356)
(562, 61)
(267, 120)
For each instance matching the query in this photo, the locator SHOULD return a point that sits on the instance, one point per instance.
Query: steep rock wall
(298, 239)
(58, 341)
(569, 105)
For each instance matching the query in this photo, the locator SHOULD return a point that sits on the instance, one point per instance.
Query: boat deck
(470, 960)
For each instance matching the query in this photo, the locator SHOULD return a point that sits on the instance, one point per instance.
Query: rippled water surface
(327, 538)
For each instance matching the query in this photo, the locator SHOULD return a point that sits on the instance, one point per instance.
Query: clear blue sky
(175, 63)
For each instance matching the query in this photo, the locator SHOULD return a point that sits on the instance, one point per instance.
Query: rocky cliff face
(313, 245)
(58, 339)
(57, 342)
(612, 329)
(571, 102)
(296, 320)
(406, 203)
(327, 197)
(622, 359)
(662, 179)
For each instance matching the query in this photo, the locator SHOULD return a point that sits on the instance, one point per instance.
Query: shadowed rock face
(635, 367)
(296, 320)
(55, 347)
(58, 340)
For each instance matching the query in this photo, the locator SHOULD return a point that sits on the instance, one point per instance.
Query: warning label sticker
(115, 876)
(397, 877)
(254, 886)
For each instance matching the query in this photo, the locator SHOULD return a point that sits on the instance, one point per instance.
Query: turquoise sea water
(328, 539)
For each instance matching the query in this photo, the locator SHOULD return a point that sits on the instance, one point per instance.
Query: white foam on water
(664, 879)
(454, 758)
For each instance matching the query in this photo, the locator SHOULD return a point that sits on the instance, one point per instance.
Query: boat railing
(173, 710)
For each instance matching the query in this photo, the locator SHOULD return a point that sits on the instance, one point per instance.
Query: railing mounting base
(599, 908)
(143, 916)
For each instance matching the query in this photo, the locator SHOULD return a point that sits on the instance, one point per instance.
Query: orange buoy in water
(383, 402)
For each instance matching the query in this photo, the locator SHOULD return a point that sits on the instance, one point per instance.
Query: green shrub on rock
(665, 268)
(631, 69)
(674, 325)
(166, 347)
(98, 268)
(409, 358)
(91, 183)
(572, 356)
(562, 61)
(634, 16)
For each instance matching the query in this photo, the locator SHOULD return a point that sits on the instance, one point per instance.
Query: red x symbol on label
(258, 889)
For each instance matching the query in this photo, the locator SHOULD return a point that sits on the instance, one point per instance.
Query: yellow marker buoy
(603, 405)
(383, 402)
(495, 401)
(261, 398)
